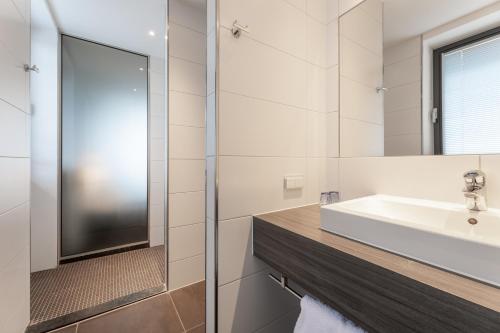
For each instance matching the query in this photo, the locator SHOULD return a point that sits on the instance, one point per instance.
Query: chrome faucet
(475, 181)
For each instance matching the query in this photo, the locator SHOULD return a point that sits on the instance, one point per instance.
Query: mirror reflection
(419, 77)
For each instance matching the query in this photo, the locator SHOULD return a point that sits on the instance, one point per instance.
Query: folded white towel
(316, 317)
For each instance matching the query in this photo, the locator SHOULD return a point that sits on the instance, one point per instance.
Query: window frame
(438, 80)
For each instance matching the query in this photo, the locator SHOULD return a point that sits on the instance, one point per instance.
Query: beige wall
(187, 91)
(276, 114)
(14, 167)
(402, 103)
(361, 72)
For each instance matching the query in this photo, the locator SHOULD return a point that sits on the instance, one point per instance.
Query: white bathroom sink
(437, 233)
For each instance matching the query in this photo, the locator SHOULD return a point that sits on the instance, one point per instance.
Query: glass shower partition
(104, 150)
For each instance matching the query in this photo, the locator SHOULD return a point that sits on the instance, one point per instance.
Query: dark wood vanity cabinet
(342, 274)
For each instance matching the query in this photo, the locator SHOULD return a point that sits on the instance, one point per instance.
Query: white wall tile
(14, 131)
(14, 293)
(374, 8)
(402, 97)
(317, 88)
(186, 76)
(316, 42)
(186, 109)
(156, 194)
(403, 72)
(186, 241)
(361, 102)
(359, 138)
(363, 29)
(316, 134)
(157, 149)
(235, 250)
(157, 171)
(186, 208)
(251, 303)
(185, 272)
(156, 107)
(187, 44)
(346, 5)
(156, 215)
(403, 145)
(332, 134)
(186, 175)
(14, 182)
(156, 83)
(284, 324)
(490, 165)
(14, 32)
(263, 72)
(318, 9)
(333, 175)
(14, 233)
(157, 127)
(188, 15)
(359, 64)
(13, 91)
(156, 235)
(187, 142)
(401, 51)
(315, 179)
(426, 177)
(252, 185)
(332, 92)
(403, 122)
(332, 43)
(252, 127)
(275, 23)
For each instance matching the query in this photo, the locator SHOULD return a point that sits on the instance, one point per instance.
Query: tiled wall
(157, 156)
(276, 102)
(44, 96)
(14, 167)
(402, 103)
(361, 72)
(187, 91)
(427, 177)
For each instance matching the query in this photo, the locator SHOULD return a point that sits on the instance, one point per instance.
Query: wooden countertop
(305, 221)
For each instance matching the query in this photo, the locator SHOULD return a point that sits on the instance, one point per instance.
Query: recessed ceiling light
(141, 69)
(152, 33)
(134, 89)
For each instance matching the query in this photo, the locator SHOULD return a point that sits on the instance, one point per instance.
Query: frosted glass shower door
(104, 185)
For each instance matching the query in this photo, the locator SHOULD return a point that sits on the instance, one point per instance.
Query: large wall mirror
(419, 78)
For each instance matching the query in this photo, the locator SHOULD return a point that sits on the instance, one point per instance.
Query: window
(467, 96)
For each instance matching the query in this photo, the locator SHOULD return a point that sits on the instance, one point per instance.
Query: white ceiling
(404, 19)
(120, 23)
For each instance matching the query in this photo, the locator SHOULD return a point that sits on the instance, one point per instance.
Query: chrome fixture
(381, 89)
(28, 68)
(283, 282)
(238, 28)
(475, 181)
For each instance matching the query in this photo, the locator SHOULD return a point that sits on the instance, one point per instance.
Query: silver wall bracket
(238, 28)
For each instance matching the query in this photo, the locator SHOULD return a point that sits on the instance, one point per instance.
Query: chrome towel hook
(28, 68)
(238, 28)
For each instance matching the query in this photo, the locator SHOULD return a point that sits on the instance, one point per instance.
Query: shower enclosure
(104, 148)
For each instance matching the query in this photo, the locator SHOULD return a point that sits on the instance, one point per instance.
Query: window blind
(471, 99)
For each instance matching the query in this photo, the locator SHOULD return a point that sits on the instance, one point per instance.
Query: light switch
(294, 182)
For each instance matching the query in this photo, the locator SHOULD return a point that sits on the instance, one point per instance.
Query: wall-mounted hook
(238, 28)
(28, 68)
